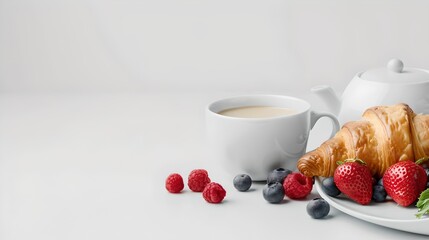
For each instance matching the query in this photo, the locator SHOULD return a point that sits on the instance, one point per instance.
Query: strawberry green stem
(348, 160)
(422, 160)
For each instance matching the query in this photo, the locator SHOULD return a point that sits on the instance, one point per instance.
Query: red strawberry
(354, 179)
(404, 181)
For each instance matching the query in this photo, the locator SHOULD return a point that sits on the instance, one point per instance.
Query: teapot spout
(327, 94)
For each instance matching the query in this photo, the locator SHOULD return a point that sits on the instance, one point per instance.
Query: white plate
(387, 214)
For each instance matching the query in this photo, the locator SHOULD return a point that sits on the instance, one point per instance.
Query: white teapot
(381, 86)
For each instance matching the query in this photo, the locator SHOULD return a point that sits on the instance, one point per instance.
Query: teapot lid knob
(395, 65)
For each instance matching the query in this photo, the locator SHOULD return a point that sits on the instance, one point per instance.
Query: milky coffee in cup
(257, 112)
(258, 133)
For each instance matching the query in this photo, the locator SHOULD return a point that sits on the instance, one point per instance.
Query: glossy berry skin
(378, 193)
(380, 182)
(355, 181)
(318, 208)
(404, 181)
(278, 175)
(198, 179)
(242, 182)
(427, 174)
(274, 192)
(329, 187)
(297, 186)
(174, 183)
(214, 193)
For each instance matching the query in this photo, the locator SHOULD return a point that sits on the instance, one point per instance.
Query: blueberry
(278, 175)
(329, 187)
(318, 208)
(242, 182)
(379, 193)
(380, 182)
(427, 174)
(274, 192)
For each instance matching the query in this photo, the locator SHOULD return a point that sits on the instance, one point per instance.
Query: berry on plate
(380, 182)
(174, 183)
(214, 193)
(427, 174)
(242, 182)
(297, 185)
(404, 181)
(378, 193)
(354, 179)
(274, 192)
(278, 175)
(318, 208)
(198, 179)
(329, 187)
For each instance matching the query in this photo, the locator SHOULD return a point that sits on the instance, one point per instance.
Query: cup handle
(314, 116)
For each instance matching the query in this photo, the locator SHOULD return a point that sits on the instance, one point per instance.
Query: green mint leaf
(423, 204)
(422, 211)
(423, 196)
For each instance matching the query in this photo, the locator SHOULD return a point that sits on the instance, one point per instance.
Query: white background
(193, 45)
(101, 100)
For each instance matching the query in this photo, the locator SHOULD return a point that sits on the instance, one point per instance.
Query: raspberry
(297, 186)
(198, 179)
(214, 193)
(174, 183)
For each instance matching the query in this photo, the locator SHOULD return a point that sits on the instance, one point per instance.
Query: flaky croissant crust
(384, 136)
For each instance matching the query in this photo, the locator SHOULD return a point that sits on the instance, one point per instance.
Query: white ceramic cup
(256, 146)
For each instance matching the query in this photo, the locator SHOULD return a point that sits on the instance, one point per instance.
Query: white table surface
(93, 167)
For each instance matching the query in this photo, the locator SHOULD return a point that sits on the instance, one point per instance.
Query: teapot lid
(396, 73)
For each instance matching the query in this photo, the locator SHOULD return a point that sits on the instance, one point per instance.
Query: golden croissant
(384, 136)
